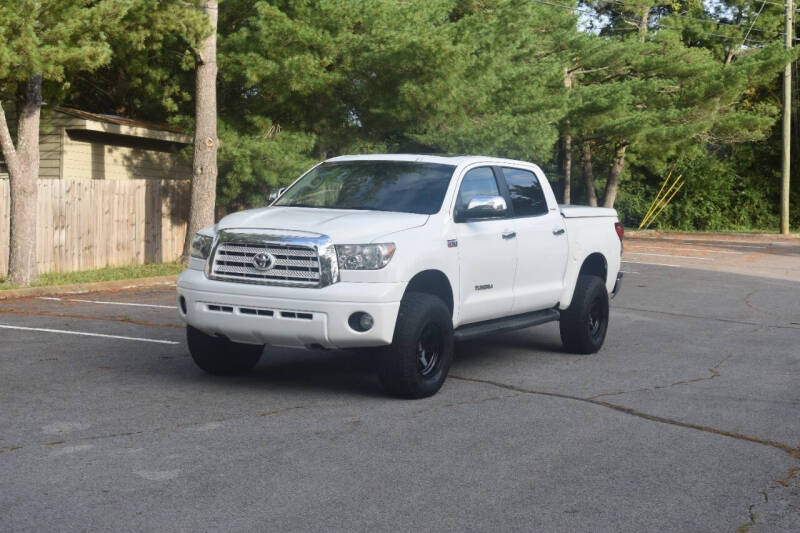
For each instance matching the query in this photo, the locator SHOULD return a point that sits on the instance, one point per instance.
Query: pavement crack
(125, 320)
(786, 480)
(744, 528)
(793, 452)
(474, 402)
(155, 430)
(701, 317)
(713, 372)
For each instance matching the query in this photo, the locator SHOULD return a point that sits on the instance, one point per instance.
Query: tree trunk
(23, 173)
(613, 177)
(643, 24)
(567, 169)
(204, 164)
(588, 174)
(567, 165)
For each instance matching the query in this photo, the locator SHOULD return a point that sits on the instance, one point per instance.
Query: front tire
(418, 360)
(220, 356)
(585, 323)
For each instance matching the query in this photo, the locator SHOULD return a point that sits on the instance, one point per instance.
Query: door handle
(509, 234)
(558, 231)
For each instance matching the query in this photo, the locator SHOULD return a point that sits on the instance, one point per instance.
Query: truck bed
(585, 211)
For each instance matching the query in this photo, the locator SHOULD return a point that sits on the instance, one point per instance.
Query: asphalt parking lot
(686, 421)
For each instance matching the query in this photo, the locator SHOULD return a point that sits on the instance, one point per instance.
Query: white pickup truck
(404, 254)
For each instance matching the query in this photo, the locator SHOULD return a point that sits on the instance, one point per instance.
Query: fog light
(361, 321)
(182, 302)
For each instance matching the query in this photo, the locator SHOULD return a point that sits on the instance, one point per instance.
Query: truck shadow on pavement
(346, 372)
(284, 369)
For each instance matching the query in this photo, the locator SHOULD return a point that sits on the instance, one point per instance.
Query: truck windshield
(400, 186)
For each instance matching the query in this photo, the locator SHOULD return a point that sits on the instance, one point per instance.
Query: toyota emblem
(263, 261)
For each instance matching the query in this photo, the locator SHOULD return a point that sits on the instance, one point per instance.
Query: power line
(764, 2)
(720, 22)
(622, 17)
(704, 32)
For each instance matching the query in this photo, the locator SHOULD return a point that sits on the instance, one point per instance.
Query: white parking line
(670, 255)
(106, 303)
(86, 334)
(729, 245)
(696, 249)
(655, 264)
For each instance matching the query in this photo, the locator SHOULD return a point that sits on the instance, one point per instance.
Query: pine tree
(41, 42)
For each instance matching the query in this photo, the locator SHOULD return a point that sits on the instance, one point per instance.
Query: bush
(714, 198)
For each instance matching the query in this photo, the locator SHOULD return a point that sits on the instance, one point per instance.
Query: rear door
(542, 246)
(487, 252)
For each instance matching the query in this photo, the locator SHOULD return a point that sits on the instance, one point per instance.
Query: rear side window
(526, 192)
(477, 182)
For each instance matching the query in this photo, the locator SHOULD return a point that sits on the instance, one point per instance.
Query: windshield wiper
(348, 207)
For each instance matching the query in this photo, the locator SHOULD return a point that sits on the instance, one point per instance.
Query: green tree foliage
(52, 39)
(656, 85)
(41, 42)
(694, 73)
(151, 71)
(504, 89)
(309, 79)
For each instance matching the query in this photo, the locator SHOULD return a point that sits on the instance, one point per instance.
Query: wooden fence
(87, 224)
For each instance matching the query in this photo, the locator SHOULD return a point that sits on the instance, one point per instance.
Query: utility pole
(787, 122)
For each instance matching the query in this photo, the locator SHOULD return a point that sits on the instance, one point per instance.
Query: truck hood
(341, 225)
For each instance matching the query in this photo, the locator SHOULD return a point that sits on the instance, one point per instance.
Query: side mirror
(480, 207)
(274, 195)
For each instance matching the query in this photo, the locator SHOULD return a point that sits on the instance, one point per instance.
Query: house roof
(114, 124)
(116, 119)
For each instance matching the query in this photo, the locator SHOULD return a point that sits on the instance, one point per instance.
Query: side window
(477, 182)
(526, 192)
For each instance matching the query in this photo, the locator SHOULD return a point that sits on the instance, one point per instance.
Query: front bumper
(289, 316)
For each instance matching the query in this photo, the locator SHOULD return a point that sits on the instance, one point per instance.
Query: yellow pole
(661, 200)
(666, 203)
(653, 203)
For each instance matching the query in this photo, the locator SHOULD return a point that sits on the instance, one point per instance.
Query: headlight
(364, 256)
(201, 246)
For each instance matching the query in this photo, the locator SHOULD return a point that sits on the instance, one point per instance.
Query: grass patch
(102, 274)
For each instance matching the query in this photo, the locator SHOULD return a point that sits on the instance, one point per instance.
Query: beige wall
(94, 155)
(51, 131)
(75, 148)
(50, 142)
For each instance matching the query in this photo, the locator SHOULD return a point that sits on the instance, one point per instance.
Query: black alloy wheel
(429, 349)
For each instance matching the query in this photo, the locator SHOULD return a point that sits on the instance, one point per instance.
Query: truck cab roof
(444, 159)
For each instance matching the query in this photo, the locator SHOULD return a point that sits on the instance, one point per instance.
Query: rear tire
(585, 323)
(219, 356)
(415, 365)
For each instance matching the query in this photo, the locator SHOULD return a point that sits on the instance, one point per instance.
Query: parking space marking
(672, 255)
(106, 303)
(654, 264)
(683, 249)
(87, 334)
(728, 245)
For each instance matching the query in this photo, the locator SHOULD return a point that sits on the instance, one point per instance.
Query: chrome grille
(293, 265)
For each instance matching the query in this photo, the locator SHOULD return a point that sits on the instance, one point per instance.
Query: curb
(699, 236)
(79, 288)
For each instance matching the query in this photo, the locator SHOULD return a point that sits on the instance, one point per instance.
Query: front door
(487, 253)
